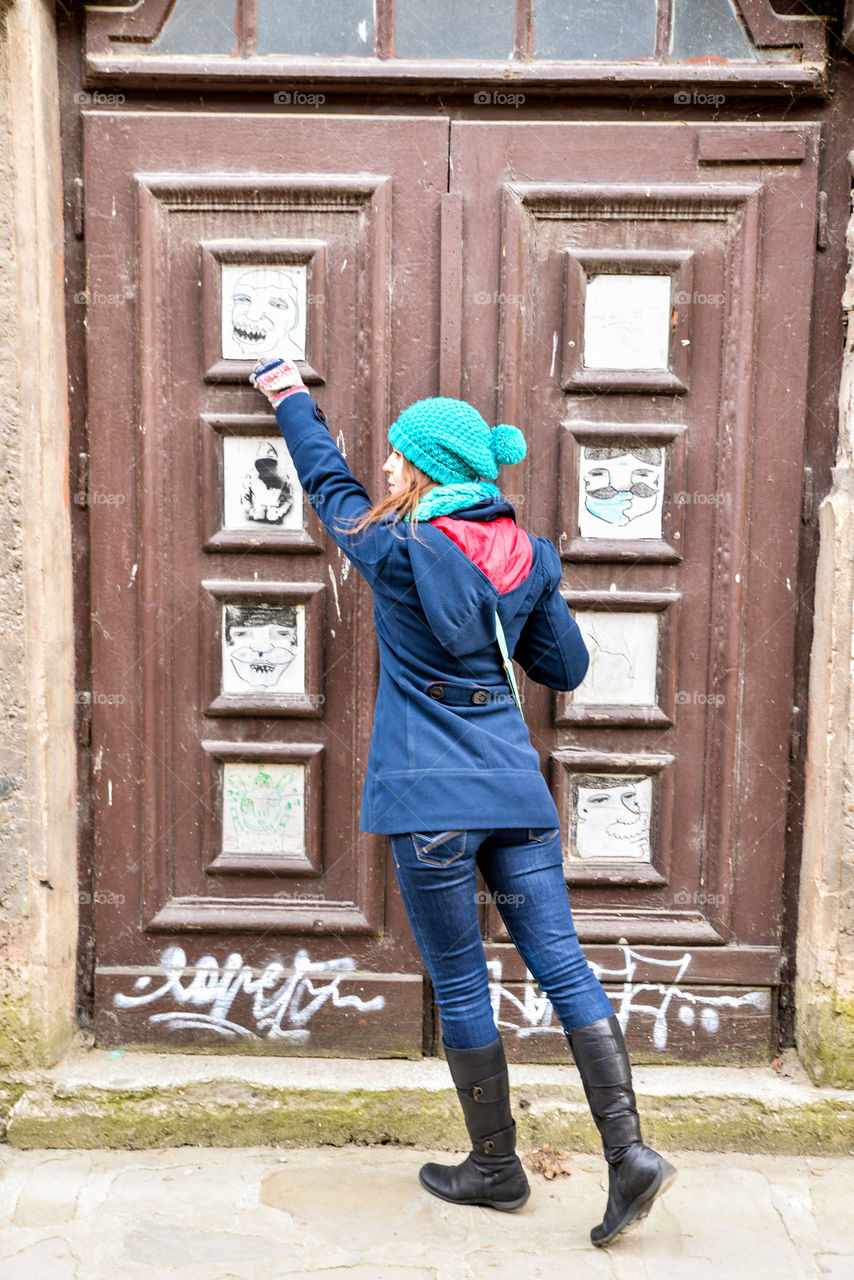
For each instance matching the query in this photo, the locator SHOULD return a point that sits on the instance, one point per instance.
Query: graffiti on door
(660, 1001)
(206, 994)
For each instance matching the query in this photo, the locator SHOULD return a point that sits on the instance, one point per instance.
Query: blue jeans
(523, 869)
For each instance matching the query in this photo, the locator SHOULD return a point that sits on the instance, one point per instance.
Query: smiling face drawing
(621, 484)
(261, 643)
(613, 816)
(265, 312)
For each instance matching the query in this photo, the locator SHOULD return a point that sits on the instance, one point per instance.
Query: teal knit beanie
(452, 443)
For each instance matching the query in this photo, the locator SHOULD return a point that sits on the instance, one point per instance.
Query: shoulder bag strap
(508, 665)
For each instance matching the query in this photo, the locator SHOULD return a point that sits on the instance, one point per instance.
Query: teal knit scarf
(442, 499)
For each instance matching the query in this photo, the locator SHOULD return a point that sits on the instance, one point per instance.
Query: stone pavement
(258, 1213)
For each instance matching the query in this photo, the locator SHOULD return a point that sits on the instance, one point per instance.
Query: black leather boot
(636, 1173)
(492, 1174)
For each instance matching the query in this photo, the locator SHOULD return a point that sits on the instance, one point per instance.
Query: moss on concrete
(232, 1113)
(826, 1036)
(14, 1033)
(10, 1092)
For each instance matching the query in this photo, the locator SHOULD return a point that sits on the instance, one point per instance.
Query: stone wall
(38, 875)
(825, 960)
(13, 824)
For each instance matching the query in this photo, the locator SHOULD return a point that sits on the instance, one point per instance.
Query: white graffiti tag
(534, 1014)
(279, 994)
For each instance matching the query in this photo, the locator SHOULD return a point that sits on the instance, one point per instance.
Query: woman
(452, 777)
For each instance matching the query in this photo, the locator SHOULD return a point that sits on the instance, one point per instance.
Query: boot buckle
(488, 1147)
(477, 1092)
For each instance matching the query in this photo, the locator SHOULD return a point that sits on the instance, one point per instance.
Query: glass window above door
(454, 43)
(336, 27)
(663, 31)
(609, 29)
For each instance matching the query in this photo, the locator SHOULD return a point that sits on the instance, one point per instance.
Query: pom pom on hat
(508, 444)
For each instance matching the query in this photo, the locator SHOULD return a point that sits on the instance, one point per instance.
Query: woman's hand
(276, 378)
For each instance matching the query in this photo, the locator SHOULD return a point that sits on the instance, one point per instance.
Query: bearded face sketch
(263, 312)
(266, 496)
(620, 486)
(260, 643)
(612, 817)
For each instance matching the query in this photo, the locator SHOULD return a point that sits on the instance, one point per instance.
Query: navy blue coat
(443, 763)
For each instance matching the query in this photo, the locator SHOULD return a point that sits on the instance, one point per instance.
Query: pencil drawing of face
(621, 484)
(612, 816)
(260, 642)
(263, 312)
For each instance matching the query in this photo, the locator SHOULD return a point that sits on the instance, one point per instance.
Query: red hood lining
(499, 547)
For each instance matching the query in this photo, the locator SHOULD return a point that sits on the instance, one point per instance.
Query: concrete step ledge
(136, 1099)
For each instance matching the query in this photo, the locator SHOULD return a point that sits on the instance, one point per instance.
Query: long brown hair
(403, 503)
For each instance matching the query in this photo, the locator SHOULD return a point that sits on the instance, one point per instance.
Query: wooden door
(237, 903)
(637, 299)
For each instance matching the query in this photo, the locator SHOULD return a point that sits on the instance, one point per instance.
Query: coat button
(436, 691)
(479, 696)
(319, 414)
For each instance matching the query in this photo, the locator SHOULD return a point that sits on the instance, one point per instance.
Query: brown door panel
(228, 780)
(671, 769)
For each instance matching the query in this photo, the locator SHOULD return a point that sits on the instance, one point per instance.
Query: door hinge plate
(81, 484)
(83, 716)
(79, 222)
(821, 221)
(808, 497)
(797, 734)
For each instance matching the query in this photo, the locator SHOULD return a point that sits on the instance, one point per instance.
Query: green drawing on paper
(263, 809)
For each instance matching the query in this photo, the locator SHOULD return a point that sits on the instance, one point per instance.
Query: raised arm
(330, 486)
